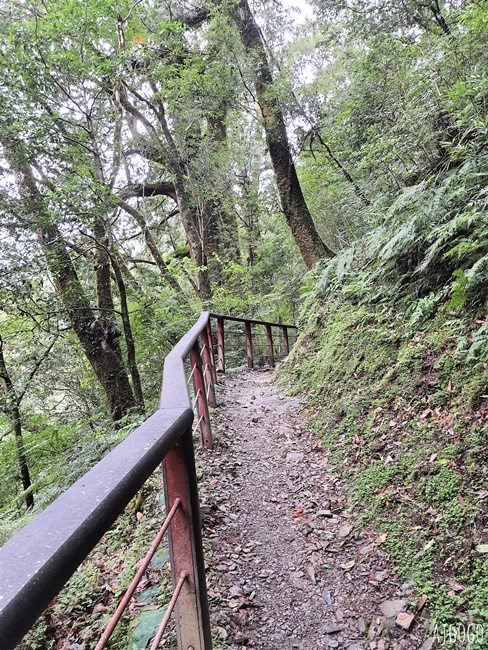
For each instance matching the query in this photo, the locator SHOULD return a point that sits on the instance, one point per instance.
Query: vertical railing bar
(269, 338)
(220, 344)
(186, 550)
(248, 333)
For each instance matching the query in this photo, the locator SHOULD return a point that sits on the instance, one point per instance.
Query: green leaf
(482, 548)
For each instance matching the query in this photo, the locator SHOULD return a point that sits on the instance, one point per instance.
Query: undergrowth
(79, 614)
(393, 357)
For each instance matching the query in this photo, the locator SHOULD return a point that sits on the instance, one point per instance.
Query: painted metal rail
(37, 562)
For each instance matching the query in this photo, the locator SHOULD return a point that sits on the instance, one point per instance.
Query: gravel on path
(288, 566)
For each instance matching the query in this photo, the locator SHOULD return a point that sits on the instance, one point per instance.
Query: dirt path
(288, 567)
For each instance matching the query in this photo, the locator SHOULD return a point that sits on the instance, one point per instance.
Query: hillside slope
(393, 358)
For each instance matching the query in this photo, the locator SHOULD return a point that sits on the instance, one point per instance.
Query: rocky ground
(288, 565)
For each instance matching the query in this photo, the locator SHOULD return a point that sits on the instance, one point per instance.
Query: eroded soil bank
(288, 565)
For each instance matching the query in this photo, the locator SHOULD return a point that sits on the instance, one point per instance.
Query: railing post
(247, 329)
(207, 370)
(211, 348)
(286, 342)
(269, 338)
(220, 343)
(185, 543)
(201, 397)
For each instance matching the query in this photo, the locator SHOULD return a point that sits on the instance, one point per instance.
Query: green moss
(403, 418)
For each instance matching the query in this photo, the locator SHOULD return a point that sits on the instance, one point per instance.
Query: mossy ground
(404, 417)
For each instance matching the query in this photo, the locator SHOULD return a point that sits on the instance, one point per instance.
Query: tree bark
(293, 203)
(95, 337)
(129, 338)
(12, 410)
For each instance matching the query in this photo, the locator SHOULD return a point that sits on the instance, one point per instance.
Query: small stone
(333, 629)
(344, 530)
(324, 513)
(361, 625)
(428, 643)
(327, 597)
(404, 620)
(294, 456)
(355, 646)
(392, 608)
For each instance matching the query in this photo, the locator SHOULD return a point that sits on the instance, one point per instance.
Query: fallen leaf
(223, 634)
(381, 539)
(421, 602)
(236, 591)
(347, 565)
(455, 586)
(460, 500)
(344, 530)
(100, 608)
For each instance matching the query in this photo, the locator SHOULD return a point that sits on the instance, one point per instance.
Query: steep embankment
(403, 416)
(393, 357)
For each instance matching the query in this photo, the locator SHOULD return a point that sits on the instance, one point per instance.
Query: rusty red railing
(37, 562)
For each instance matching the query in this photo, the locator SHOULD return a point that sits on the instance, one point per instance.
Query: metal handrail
(37, 562)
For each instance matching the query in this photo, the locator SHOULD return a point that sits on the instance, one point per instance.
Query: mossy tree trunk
(293, 203)
(96, 335)
(12, 410)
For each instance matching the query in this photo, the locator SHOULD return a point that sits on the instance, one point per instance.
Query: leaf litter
(287, 564)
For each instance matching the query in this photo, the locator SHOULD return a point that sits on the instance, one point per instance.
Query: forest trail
(287, 565)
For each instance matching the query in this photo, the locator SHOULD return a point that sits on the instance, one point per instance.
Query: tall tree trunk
(293, 203)
(129, 338)
(12, 410)
(95, 337)
(221, 231)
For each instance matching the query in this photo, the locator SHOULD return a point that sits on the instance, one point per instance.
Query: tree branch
(162, 188)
